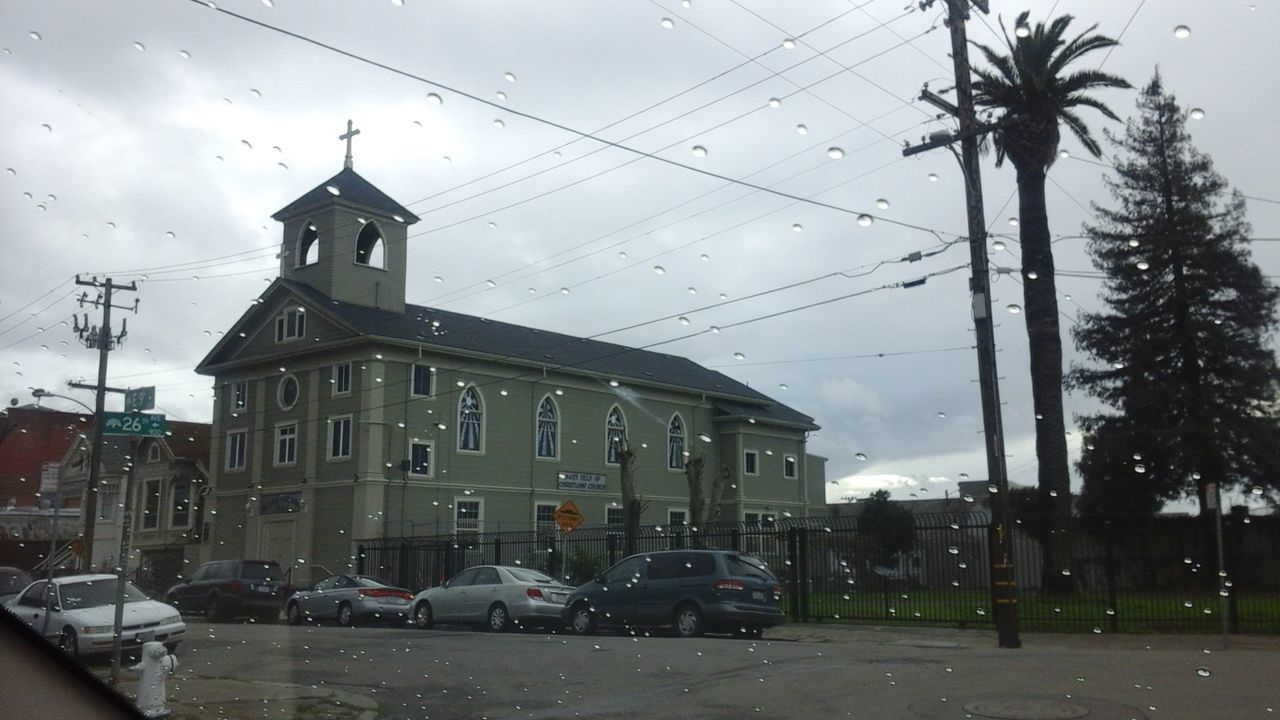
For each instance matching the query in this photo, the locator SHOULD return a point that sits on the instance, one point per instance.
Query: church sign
(281, 503)
(581, 481)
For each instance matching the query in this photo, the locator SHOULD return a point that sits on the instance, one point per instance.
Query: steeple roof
(352, 189)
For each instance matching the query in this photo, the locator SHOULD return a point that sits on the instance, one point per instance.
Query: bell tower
(347, 239)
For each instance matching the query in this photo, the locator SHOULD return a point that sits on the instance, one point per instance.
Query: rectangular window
(420, 459)
(151, 505)
(422, 385)
(341, 379)
(751, 518)
(237, 450)
(751, 462)
(239, 395)
(544, 516)
(789, 467)
(615, 516)
(467, 515)
(677, 518)
(286, 444)
(291, 324)
(340, 437)
(180, 505)
(108, 496)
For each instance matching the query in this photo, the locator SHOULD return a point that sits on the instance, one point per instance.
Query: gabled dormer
(347, 239)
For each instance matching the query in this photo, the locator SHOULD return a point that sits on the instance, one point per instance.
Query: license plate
(146, 636)
(263, 589)
(757, 595)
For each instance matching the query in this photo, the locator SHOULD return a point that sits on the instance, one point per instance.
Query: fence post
(611, 549)
(360, 559)
(497, 550)
(793, 577)
(1229, 542)
(1112, 592)
(402, 566)
(735, 538)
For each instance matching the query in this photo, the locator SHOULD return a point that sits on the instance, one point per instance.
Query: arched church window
(309, 245)
(548, 427)
(615, 436)
(675, 443)
(370, 248)
(470, 420)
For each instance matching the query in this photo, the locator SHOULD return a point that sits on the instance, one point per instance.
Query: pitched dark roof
(467, 333)
(351, 188)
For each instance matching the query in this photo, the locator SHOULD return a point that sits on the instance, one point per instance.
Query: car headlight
(98, 629)
(171, 620)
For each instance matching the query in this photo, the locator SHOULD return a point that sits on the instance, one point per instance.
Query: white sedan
(495, 596)
(83, 611)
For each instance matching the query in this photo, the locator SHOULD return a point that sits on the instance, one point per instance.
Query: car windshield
(261, 571)
(747, 566)
(864, 340)
(529, 576)
(96, 593)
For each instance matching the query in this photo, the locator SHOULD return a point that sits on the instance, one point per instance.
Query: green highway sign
(139, 399)
(133, 423)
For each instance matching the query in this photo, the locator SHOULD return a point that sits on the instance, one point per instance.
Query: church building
(343, 413)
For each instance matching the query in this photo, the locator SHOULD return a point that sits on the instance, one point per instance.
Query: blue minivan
(691, 591)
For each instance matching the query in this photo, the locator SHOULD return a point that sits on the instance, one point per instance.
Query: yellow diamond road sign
(567, 516)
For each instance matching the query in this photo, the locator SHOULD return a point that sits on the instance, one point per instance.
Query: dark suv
(688, 590)
(225, 589)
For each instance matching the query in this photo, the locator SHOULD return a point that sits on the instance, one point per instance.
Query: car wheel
(422, 616)
(346, 617)
(68, 642)
(582, 620)
(687, 621)
(499, 620)
(213, 610)
(293, 614)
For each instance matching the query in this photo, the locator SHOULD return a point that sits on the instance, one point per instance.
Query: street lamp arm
(38, 393)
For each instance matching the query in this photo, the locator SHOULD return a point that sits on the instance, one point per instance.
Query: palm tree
(1034, 93)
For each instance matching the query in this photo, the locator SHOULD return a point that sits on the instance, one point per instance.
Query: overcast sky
(152, 140)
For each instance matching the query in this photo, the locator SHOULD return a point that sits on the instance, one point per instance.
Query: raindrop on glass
(1013, 221)
(1064, 154)
(667, 23)
(998, 245)
(659, 270)
(1032, 275)
(1140, 469)
(35, 35)
(699, 151)
(1197, 114)
(139, 46)
(865, 220)
(1014, 308)
(835, 153)
(789, 44)
(684, 320)
(714, 330)
(332, 190)
(1143, 265)
(861, 456)
(693, 290)
(797, 227)
(509, 77)
(775, 103)
(882, 203)
(498, 123)
(704, 257)
(1182, 32)
(802, 129)
(1134, 242)
(184, 54)
(502, 96)
(933, 177)
(739, 356)
(435, 99)
(1203, 672)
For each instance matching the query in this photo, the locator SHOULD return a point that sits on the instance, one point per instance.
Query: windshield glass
(12, 583)
(96, 593)
(530, 576)
(901, 358)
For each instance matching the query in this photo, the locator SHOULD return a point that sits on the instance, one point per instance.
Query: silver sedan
(495, 596)
(349, 599)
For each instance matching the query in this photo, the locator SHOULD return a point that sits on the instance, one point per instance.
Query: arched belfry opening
(308, 252)
(371, 249)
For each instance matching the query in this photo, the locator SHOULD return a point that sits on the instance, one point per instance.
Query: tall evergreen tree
(1036, 87)
(1182, 353)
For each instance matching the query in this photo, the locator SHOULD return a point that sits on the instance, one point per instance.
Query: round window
(288, 392)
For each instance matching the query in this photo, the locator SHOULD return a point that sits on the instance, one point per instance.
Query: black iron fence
(1156, 575)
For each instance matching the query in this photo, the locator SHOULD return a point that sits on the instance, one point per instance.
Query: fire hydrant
(154, 667)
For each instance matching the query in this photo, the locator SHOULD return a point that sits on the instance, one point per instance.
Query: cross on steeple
(350, 133)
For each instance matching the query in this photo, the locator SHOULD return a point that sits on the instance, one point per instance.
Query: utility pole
(101, 339)
(1004, 595)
